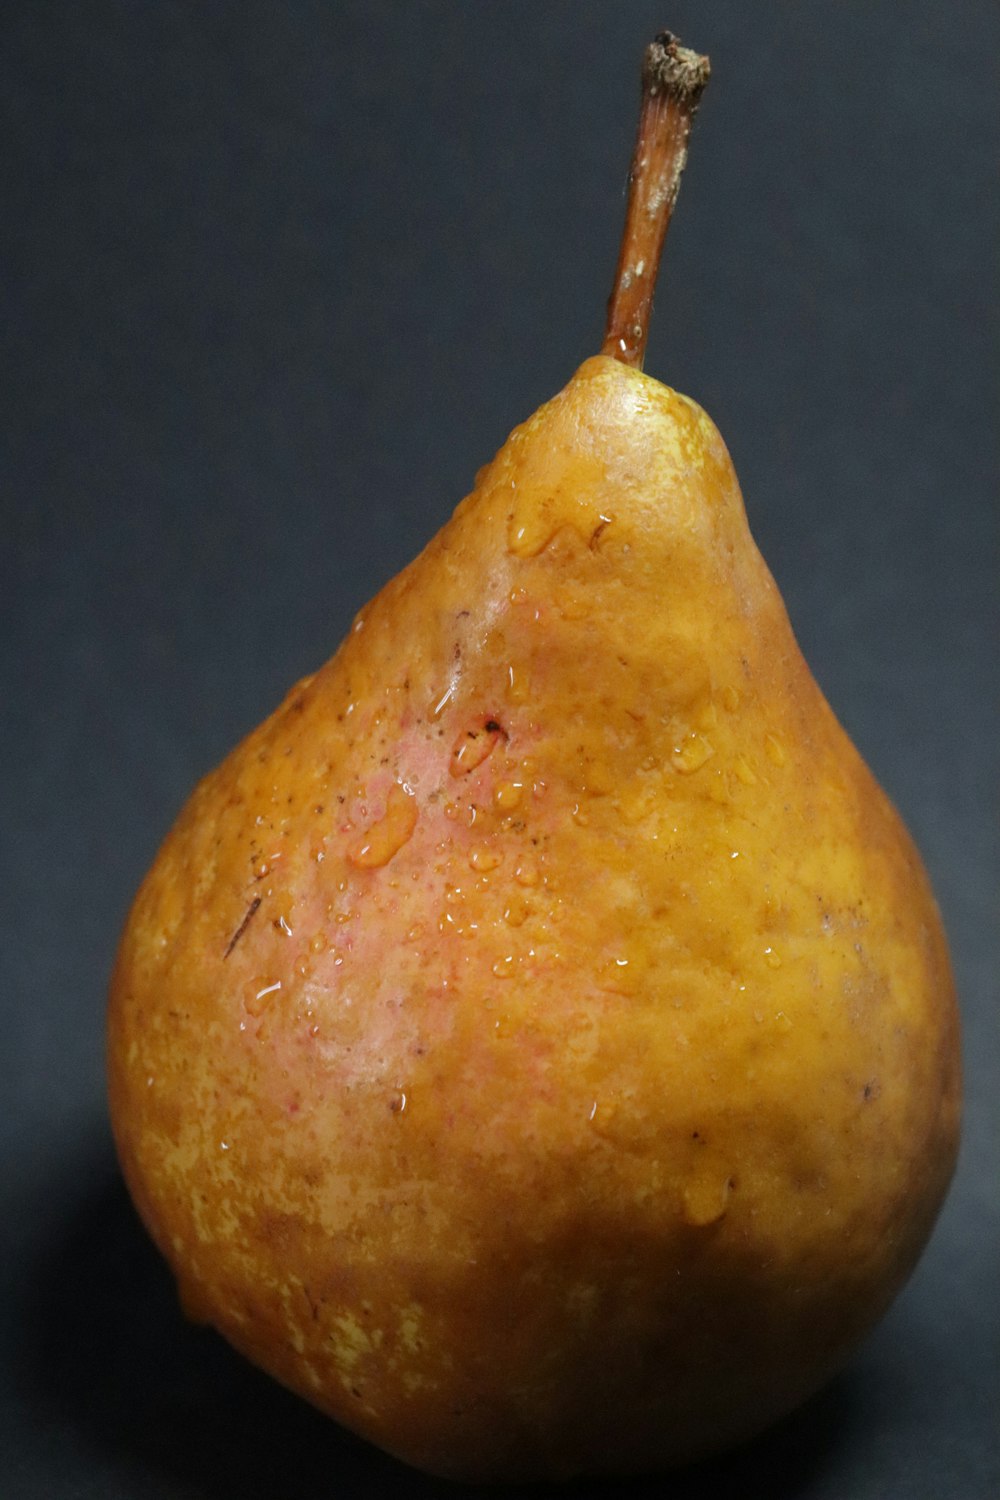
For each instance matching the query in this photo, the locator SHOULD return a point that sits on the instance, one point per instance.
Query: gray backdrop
(276, 280)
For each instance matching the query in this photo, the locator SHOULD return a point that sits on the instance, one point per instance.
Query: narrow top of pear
(673, 78)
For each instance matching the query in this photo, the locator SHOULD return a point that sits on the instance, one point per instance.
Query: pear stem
(672, 82)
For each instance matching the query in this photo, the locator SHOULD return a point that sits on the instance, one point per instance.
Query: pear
(536, 1043)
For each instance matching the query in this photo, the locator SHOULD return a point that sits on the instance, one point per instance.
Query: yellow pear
(536, 1043)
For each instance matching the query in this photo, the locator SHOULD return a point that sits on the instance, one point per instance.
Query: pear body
(536, 1043)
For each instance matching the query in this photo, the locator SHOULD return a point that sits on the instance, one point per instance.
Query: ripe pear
(536, 1044)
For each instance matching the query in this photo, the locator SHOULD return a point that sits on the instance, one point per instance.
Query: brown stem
(672, 83)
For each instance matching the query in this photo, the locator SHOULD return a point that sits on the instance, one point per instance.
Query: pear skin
(536, 1043)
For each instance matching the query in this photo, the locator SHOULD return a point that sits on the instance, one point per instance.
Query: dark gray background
(276, 280)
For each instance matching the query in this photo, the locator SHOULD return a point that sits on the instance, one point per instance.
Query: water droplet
(598, 780)
(773, 959)
(387, 836)
(527, 873)
(504, 967)
(774, 750)
(282, 923)
(516, 685)
(485, 859)
(622, 975)
(781, 1023)
(472, 746)
(318, 942)
(706, 1199)
(516, 911)
(225, 1145)
(260, 996)
(438, 707)
(397, 1103)
(692, 754)
(579, 816)
(718, 788)
(563, 490)
(508, 795)
(743, 772)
